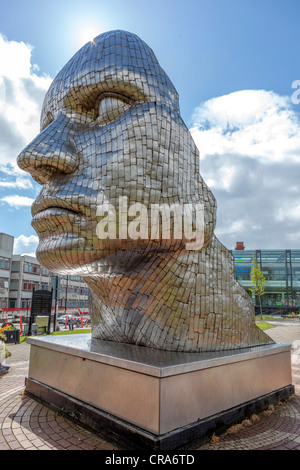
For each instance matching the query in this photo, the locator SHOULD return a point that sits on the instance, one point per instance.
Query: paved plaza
(28, 425)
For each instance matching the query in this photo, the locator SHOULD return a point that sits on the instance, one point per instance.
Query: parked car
(72, 319)
(62, 319)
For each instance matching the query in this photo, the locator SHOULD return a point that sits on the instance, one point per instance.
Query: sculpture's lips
(54, 216)
(55, 211)
(56, 219)
(53, 204)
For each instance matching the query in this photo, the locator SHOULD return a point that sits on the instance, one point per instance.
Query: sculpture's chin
(75, 255)
(66, 254)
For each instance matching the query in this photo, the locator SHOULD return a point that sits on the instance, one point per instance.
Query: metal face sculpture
(113, 146)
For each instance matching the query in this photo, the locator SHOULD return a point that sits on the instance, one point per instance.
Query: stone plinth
(147, 398)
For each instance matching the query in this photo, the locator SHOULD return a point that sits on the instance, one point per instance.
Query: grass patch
(263, 325)
(73, 332)
(66, 332)
(23, 339)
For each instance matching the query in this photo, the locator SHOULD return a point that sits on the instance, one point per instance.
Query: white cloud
(255, 123)
(15, 58)
(17, 201)
(20, 183)
(288, 212)
(25, 245)
(21, 94)
(249, 143)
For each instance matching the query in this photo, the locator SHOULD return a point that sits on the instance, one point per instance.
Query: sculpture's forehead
(116, 61)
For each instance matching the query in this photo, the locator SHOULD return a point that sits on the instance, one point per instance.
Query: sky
(235, 65)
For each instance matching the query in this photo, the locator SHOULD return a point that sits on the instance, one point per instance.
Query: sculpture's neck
(122, 306)
(154, 274)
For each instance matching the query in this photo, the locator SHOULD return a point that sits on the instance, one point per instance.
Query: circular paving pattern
(26, 424)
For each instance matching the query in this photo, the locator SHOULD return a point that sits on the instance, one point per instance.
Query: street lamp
(66, 298)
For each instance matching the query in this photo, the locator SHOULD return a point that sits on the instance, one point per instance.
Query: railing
(276, 310)
(24, 323)
(13, 312)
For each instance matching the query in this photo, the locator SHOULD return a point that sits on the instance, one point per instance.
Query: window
(75, 277)
(29, 285)
(32, 268)
(15, 266)
(4, 263)
(281, 269)
(14, 284)
(3, 283)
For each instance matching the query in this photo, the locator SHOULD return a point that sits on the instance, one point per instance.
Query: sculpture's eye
(111, 107)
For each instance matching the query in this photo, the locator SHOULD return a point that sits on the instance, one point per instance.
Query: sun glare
(87, 35)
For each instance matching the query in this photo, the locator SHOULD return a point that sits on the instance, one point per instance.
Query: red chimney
(239, 246)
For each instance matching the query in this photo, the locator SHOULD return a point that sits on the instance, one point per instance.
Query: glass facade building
(281, 268)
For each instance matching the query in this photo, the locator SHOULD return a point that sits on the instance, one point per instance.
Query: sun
(87, 34)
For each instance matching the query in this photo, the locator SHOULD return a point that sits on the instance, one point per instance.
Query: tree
(258, 282)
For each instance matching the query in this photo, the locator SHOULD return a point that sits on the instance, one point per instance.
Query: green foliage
(5, 352)
(264, 325)
(2, 337)
(73, 332)
(257, 281)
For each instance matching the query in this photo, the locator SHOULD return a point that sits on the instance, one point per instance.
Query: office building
(21, 274)
(28, 275)
(6, 253)
(281, 268)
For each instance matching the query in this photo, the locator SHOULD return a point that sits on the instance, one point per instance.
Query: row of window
(70, 277)
(281, 268)
(26, 303)
(30, 268)
(75, 290)
(29, 285)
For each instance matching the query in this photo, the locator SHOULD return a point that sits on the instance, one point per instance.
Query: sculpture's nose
(51, 153)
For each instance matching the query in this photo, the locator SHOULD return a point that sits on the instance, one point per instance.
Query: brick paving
(277, 428)
(28, 425)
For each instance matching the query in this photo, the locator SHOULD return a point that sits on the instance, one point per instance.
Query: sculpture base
(149, 399)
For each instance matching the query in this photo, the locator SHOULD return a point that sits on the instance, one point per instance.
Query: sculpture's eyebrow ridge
(87, 95)
(83, 95)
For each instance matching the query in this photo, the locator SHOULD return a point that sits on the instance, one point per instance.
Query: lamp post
(66, 298)
(55, 283)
